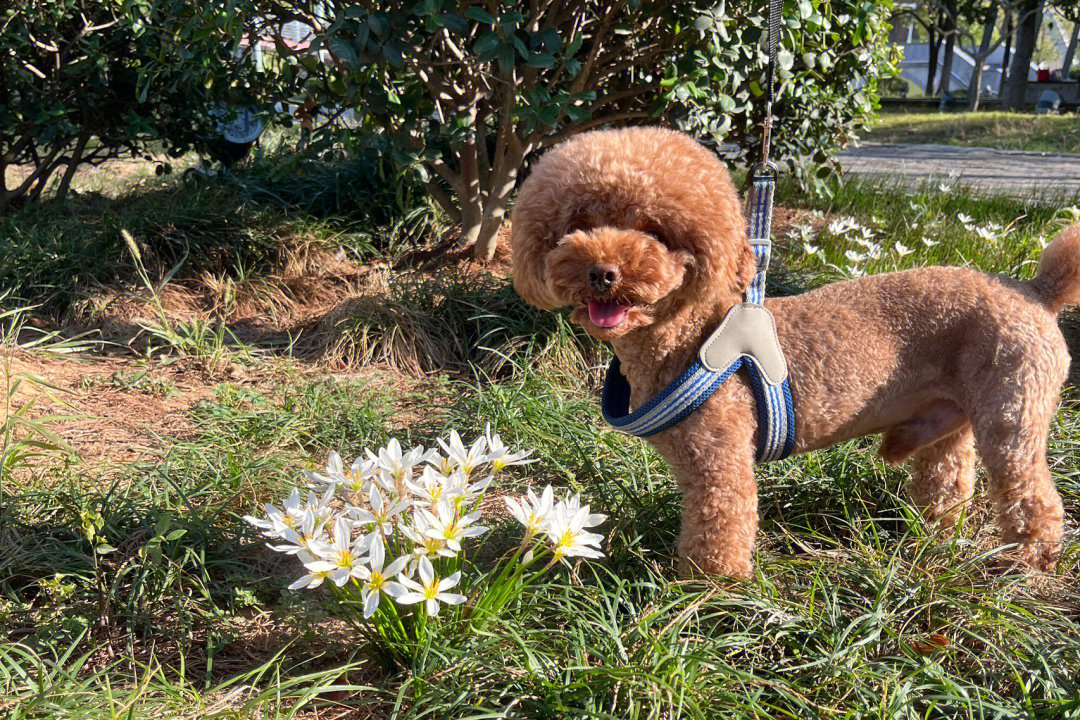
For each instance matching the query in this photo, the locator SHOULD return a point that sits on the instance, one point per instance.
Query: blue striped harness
(776, 411)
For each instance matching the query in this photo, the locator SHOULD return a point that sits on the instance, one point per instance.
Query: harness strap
(759, 231)
(776, 410)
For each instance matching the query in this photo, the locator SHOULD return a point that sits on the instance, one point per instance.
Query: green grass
(1002, 130)
(857, 608)
(237, 224)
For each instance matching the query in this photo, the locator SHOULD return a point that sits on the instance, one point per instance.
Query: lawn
(1002, 130)
(195, 345)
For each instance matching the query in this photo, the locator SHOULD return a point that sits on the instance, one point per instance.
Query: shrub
(87, 80)
(467, 92)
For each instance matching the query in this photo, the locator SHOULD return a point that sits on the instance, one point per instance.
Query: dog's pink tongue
(607, 314)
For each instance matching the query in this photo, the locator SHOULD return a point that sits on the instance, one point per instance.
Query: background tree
(465, 92)
(1028, 21)
(82, 81)
(1070, 10)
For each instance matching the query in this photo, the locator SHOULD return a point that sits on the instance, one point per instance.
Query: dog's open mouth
(607, 314)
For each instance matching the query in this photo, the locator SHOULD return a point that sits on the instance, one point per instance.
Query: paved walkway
(1010, 172)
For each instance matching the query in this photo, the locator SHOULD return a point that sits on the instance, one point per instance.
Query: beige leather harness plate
(748, 330)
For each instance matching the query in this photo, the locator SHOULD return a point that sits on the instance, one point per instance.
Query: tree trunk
(502, 184)
(72, 165)
(1070, 53)
(933, 41)
(1010, 30)
(1027, 32)
(975, 86)
(946, 68)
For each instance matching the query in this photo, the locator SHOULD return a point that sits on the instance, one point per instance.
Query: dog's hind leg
(944, 476)
(1026, 503)
(1011, 418)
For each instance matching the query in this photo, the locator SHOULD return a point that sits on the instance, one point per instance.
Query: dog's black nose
(603, 276)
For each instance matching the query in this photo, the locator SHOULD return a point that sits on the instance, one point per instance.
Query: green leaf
(455, 23)
(479, 14)
(509, 21)
(506, 58)
(485, 45)
(343, 49)
(540, 60)
(379, 25)
(549, 39)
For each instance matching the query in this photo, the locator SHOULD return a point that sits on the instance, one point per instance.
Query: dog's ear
(528, 265)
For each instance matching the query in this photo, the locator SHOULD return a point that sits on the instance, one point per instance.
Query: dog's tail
(1058, 281)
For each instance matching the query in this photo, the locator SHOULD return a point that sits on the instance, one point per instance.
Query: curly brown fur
(642, 232)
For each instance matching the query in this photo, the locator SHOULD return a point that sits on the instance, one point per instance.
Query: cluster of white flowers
(863, 244)
(989, 231)
(418, 506)
(850, 229)
(564, 523)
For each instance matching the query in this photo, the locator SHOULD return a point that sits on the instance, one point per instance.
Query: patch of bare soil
(92, 411)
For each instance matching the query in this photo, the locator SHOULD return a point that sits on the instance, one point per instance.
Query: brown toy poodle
(942, 361)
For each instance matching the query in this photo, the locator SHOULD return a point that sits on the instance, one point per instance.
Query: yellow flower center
(433, 545)
(376, 581)
(431, 589)
(344, 558)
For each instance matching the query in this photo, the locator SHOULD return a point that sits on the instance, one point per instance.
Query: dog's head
(627, 226)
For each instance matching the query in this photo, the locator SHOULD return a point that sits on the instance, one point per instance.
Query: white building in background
(916, 63)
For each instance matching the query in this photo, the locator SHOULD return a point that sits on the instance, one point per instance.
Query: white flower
(928, 242)
(433, 487)
(394, 467)
(450, 526)
(466, 459)
(499, 454)
(1072, 213)
(423, 544)
(944, 187)
(319, 505)
(332, 475)
(964, 219)
(810, 249)
(359, 476)
(573, 506)
(854, 256)
(313, 579)
(342, 559)
(866, 239)
(278, 521)
(309, 539)
(377, 578)
(381, 514)
(430, 590)
(531, 511)
(902, 249)
(856, 272)
(567, 533)
(842, 226)
(985, 233)
(462, 492)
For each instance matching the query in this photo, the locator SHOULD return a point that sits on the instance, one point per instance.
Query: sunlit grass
(857, 607)
(1002, 130)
